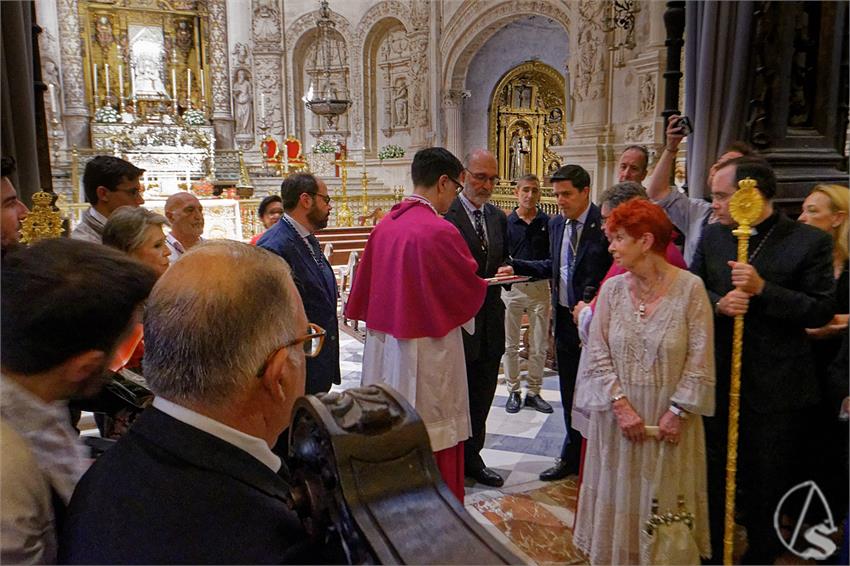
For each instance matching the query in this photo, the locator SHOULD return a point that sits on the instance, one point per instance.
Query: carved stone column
(222, 118)
(73, 74)
(419, 83)
(452, 101)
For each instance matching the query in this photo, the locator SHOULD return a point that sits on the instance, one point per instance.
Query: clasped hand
(630, 423)
(747, 282)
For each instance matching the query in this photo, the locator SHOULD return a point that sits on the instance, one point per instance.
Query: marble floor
(533, 518)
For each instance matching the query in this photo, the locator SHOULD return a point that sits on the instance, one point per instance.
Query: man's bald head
(482, 171)
(186, 215)
(205, 343)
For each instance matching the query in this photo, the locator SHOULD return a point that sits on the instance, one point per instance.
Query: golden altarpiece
(527, 118)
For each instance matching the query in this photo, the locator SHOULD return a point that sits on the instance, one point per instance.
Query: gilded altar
(527, 119)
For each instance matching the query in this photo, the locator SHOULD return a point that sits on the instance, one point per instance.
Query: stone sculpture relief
(266, 21)
(647, 95)
(590, 64)
(243, 102)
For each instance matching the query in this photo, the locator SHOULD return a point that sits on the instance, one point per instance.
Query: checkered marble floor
(532, 518)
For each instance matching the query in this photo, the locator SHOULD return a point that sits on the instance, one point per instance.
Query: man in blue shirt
(528, 238)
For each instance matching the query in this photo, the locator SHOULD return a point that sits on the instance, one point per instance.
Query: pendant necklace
(643, 298)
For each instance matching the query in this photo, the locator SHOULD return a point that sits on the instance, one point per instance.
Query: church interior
(225, 99)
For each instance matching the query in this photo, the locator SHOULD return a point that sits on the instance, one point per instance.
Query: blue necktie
(572, 250)
(479, 229)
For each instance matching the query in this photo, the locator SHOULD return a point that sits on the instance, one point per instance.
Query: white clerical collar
(254, 446)
(302, 231)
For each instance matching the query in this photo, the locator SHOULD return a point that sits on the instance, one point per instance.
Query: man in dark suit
(786, 286)
(194, 481)
(579, 259)
(484, 228)
(307, 206)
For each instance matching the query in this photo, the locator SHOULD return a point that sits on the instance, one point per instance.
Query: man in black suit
(579, 259)
(484, 228)
(194, 480)
(786, 286)
(307, 206)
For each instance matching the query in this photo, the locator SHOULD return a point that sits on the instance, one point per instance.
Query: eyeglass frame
(317, 332)
(132, 192)
(483, 178)
(456, 182)
(327, 198)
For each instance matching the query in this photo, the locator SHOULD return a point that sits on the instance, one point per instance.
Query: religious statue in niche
(522, 97)
(266, 26)
(400, 105)
(647, 96)
(520, 148)
(147, 50)
(243, 103)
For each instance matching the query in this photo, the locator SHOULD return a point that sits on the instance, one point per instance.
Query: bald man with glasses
(484, 227)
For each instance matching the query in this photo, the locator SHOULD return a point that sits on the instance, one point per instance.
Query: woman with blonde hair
(826, 208)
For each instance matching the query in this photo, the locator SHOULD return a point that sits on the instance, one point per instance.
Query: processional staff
(745, 206)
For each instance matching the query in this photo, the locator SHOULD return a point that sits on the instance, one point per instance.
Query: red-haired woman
(649, 362)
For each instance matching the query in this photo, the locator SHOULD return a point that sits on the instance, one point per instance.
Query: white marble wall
(457, 47)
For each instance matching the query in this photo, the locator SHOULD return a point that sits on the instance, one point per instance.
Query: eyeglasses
(132, 192)
(312, 344)
(326, 197)
(483, 178)
(313, 340)
(456, 182)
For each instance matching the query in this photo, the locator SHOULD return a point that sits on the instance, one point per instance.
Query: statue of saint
(519, 155)
(243, 103)
(400, 103)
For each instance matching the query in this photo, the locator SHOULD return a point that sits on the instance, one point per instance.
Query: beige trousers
(534, 299)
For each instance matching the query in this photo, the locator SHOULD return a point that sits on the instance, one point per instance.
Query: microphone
(588, 294)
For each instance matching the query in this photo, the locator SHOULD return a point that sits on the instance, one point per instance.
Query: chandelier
(327, 95)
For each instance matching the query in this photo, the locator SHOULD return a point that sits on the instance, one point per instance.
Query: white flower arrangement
(391, 152)
(106, 115)
(194, 117)
(325, 146)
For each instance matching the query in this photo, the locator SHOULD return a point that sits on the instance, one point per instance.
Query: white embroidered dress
(666, 355)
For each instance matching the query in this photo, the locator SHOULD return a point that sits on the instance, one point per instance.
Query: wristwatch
(678, 411)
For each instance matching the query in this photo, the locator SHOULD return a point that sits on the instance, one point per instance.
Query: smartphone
(685, 126)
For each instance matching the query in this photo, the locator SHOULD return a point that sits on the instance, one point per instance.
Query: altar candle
(106, 72)
(189, 84)
(174, 83)
(94, 80)
(132, 80)
(121, 81)
(263, 106)
(203, 85)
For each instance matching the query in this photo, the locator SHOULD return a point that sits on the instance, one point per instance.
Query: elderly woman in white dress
(649, 362)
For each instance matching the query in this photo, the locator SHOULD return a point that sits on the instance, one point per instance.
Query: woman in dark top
(826, 208)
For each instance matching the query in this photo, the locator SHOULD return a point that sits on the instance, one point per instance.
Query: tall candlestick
(106, 72)
(263, 107)
(203, 88)
(132, 80)
(174, 83)
(121, 81)
(189, 85)
(94, 80)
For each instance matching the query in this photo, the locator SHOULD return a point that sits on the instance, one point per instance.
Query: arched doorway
(526, 117)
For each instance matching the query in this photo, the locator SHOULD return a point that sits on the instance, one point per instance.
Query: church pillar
(73, 74)
(452, 101)
(222, 119)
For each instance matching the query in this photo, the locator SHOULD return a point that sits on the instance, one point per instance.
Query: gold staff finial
(42, 222)
(745, 206)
